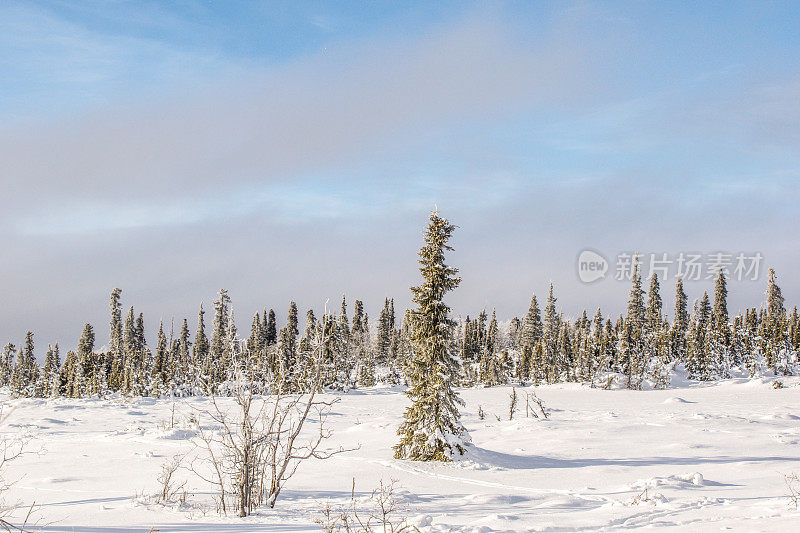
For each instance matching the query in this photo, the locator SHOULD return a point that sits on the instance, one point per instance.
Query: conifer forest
(541, 346)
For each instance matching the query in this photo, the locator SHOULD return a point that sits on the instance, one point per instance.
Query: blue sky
(292, 150)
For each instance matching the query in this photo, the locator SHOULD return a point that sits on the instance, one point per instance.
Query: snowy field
(710, 456)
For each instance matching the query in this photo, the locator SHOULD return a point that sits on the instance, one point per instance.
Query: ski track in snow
(699, 457)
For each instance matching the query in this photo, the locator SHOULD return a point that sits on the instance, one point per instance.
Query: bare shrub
(11, 448)
(251, 450)
(532, 399)
(385, 513)
(793, 485)
(169, 487)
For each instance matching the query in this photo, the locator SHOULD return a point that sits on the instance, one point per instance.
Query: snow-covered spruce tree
(632, 346)
(491, 372)
(330, 347)
(597, 348)
(432, 429)
(719, 341)
(720, 312)
(680, 324)
(653, 313)
(142, 366)
(346, 354)
(360, 339)
(26, 371)
(656, 339)
(83, 372)
(775, 331)
(566, 364)
(131, 364)
(50, 371)
(384, 337)
(182, 359)
(530, 335)
(758, 364)
(66, 376)
(513, 334)
(698, 363)
(552, 326)
(270, 329)
(794, 329)
(115, 340)
(214, 366)
(742, 341)
(7, 363)
(286, 370)
(470, 352)
(255, 342)
(159, 383)
(199, 350)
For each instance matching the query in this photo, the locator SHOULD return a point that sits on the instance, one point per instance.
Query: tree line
(638, 348)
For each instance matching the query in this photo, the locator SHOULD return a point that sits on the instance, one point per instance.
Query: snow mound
(676, 399)
(176, 434)
(420, 521)
(675, 481)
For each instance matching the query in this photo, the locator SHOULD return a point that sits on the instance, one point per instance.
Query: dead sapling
(512, 403)
(793, 485)
(540, 404)
(169, 487)
(642, 497)
(531, 400)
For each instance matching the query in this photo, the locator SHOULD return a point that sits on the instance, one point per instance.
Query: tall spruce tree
(286, 369)
(160, 361)
(200, 348)
(432, 429)
(532, 325)
(50, 371)
(632, 346)
(115, 334)
(83, 372)
(271, 329)
(25, 371)
(680, 324)
(141, 341)
(184, 362)
(775, 308)
(552, 328)
(256, 340)
(636, 310)
(720, 312)
(220, 325)
(653, 314)
(344, 321)
(7, 363)
(384, 340)
(775, 327)
(698, 362)
(129, 334)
